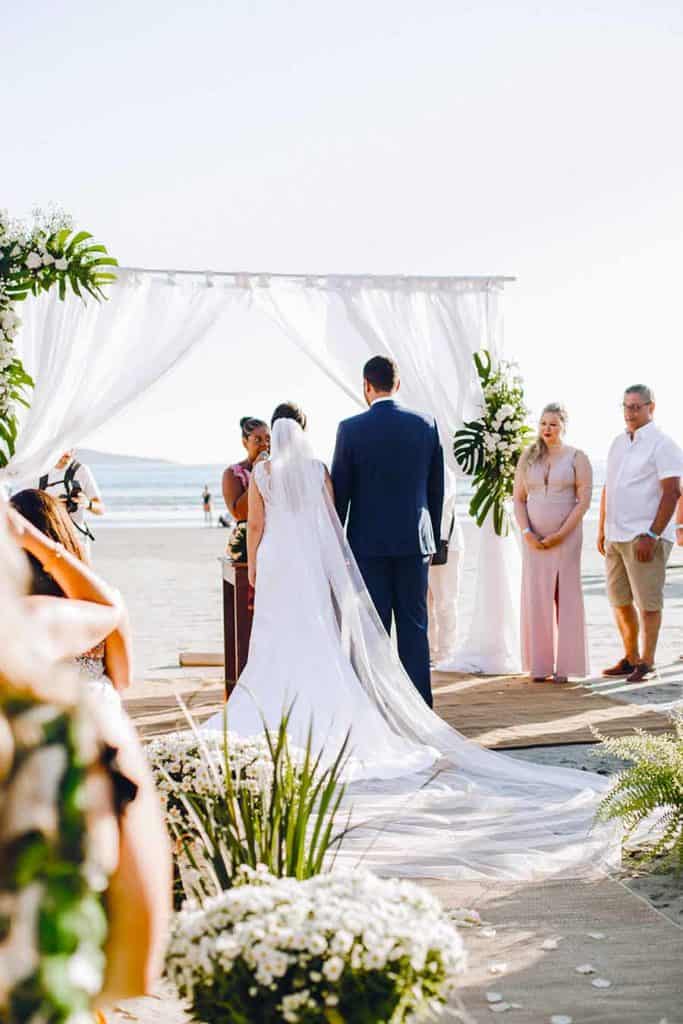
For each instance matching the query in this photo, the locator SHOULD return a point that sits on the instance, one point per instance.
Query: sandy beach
(171, 580)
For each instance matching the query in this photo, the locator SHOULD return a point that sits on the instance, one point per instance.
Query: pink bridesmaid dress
(554, 638)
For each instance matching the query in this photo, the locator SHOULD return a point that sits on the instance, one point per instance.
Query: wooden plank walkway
(498, 712)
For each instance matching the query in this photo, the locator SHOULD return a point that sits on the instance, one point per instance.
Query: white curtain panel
(92, 359)
(89, 360)
(432, 328)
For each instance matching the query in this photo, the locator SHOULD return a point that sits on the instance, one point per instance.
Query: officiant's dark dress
(388, 477)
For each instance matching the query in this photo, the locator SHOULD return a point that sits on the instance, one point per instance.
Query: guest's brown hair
(49, 516)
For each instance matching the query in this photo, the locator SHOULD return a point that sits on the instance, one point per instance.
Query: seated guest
(126, 846)
(256, 442)
(636, 530)
(100, 642)
(552, 494)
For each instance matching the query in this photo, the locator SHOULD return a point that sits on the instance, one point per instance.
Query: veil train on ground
(425, 801)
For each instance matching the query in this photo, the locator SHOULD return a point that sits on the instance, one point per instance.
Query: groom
(388, 478)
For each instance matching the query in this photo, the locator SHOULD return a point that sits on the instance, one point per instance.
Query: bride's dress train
(425, 800)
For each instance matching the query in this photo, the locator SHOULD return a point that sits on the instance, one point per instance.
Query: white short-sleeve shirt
(88, 485)
(636, 465)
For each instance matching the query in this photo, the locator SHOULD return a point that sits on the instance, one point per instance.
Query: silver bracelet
(528, 530)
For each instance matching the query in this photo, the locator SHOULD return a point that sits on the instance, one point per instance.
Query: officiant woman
(256, 440)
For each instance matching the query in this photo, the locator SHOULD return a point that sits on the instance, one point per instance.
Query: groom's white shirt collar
(376, 401)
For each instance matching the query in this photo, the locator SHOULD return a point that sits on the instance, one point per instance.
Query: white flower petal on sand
(500, 1007)
(488, 933)
(596, 935)
(497, 968)
(585, 969)
(601, 983)
(494, 997)
(561, 1018)
(549, 944)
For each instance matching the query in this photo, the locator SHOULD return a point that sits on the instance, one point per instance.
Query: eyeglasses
(634, 408)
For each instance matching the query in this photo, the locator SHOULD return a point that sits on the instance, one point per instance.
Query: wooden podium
(237, 616)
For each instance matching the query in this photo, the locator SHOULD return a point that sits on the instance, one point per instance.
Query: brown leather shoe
(622, 668)
(640, 673)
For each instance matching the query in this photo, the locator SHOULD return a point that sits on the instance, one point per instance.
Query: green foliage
(488, 449)
(35, 259)
(286, 822)
(651, 786)
(68, 924)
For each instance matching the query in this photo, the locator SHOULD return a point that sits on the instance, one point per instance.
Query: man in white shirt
(75, 486)
(636, 532)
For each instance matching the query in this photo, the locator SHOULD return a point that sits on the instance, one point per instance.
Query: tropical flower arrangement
(35, 258)
(488, 449)
(232, 801)
(334, 948)
(52, 877)
(650, 789)
(237, 543)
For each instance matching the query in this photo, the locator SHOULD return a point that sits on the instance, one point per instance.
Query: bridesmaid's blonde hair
(539, 449)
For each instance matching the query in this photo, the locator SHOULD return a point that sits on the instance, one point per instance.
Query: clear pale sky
(383, 136)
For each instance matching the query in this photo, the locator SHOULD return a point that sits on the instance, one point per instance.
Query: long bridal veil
(473, 813)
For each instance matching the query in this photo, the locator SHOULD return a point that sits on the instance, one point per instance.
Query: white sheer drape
(89, 360)
(431, 328)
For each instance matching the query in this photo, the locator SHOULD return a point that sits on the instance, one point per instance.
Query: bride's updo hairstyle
(289, 411)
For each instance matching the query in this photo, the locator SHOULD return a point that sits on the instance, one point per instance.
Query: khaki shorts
(632, 582)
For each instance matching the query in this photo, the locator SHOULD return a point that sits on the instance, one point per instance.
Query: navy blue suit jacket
(388, 478)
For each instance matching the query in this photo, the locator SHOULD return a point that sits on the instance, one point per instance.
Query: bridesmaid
(552, 494)
(256, 441)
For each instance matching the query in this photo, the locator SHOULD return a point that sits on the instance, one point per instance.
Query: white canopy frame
(90, 361)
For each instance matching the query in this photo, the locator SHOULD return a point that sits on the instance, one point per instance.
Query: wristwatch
(652, 534)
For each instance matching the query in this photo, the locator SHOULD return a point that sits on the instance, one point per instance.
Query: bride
(424, 800)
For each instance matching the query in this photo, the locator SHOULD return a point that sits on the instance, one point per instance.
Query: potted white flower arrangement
(341, 947)
(232, 801)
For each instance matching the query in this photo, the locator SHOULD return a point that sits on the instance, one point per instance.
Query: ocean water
(159, 494)
(155, 493)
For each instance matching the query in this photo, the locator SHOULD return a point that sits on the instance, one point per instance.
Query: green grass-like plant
(651, 786)
(288, 823)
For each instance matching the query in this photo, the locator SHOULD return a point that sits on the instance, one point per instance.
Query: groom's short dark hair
(381, 372)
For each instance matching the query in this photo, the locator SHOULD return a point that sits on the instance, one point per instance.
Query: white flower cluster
(179, 765)
(237, 543)
(22, 248)
(300, 940)
(503, 419)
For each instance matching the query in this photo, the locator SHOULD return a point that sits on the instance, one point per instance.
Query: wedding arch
(89, 361)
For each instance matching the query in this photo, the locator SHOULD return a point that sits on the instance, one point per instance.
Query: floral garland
(35, 258)
(345, 946)
(488, 449)
(53, 922)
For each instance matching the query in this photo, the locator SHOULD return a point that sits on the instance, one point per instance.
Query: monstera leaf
(468, 447)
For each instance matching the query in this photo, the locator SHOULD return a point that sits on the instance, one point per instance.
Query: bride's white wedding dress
(425, 800)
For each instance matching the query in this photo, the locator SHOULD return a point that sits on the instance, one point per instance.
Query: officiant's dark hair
(381, 372)
(249, 424)
(289, 411)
